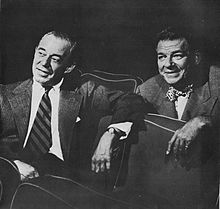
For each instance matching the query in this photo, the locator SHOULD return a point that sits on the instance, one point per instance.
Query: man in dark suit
(186, 90)
(53, 146)
(189, 91)
(183, 89)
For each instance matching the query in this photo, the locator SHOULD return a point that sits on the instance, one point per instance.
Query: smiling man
(48, 122)
(51, 59)
(184, 89)
(172, 59)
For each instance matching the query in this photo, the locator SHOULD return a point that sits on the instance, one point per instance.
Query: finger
(178, 148)
(108, 164)
(93, 162)
(93, 166)
(177, 154)
(36, 174)
(181, 147)
(23, 177)
(102, 166)
(97, 166)
(170, 143)
(175, 147)
(187, 142)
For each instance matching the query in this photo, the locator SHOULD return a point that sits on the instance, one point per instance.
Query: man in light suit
(74, 105)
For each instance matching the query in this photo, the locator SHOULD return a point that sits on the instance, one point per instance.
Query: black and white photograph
(109, 104)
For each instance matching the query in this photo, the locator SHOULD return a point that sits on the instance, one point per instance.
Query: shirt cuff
(124, 127)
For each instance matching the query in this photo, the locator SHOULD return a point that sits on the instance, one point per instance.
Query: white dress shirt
(180, 105)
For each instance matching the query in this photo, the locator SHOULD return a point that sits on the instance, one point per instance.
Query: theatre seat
(53, 192)
(142, 174)
(113, 81)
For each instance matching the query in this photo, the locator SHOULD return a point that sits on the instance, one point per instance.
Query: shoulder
(6, 91)
(87, 88)
(214, 79)
(12, 86)
(150, 87)
(214, 74)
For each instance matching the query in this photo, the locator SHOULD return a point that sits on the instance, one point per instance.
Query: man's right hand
(26, 171)
(102, 156)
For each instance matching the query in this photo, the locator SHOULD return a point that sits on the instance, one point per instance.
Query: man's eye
(42, 54)
(161, 58)
(178, 56)
(56, 60)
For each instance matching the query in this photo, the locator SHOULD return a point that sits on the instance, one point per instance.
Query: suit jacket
(204, 100)
(90, 101)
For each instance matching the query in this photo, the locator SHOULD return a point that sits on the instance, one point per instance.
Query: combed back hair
(71, 41)
(63, 36)
(174, 33)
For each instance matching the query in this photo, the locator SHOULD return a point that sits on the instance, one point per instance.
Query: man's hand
(26, 171)
(183, 138)
(102, 156)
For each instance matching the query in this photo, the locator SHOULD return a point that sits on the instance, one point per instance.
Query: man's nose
(168, 62)
(45, 61)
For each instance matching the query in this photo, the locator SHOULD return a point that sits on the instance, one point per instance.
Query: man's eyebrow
(160, 53)
(178, 51)
(40, 48)
(174, 52)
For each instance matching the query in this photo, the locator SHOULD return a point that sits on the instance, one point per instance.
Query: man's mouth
(171, 72)
(44, 71)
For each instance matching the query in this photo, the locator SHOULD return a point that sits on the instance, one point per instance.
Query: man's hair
(72, 41)
(174, 33)
(62, 36)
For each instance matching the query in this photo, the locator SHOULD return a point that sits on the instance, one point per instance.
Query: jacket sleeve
(128, 108)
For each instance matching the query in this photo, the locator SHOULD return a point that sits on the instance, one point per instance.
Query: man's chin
(42, 81)
(172, 81)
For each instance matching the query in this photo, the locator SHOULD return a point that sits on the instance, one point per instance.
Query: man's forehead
(54, 44)
(172, 45)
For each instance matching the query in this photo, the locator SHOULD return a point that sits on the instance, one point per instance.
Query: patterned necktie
(173, 94)
(40, 139)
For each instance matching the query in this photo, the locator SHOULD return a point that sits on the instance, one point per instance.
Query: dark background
(114, 35)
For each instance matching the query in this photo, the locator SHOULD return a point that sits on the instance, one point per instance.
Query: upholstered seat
(123, 82)
(56, 192)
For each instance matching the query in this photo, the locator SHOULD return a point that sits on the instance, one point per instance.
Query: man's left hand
(182, 139)
(26, 171)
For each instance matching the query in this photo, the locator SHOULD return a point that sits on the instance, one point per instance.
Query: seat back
(123, 82)
(53, 192)
(142, 173)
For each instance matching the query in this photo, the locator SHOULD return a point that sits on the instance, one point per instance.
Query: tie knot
(173, 94)
(47, 89)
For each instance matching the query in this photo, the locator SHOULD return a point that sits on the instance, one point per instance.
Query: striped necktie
(40, 139)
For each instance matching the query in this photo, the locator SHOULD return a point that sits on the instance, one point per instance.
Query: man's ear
(70, 68)
(197, 57)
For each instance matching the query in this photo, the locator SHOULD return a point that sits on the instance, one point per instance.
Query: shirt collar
(38, 86)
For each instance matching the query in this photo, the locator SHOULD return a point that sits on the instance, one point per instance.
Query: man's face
(50, 60)
(173, 59)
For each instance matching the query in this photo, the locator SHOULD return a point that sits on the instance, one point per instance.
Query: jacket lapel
(20, 101)
(198, 97)
(163, 105)
(69, 107)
